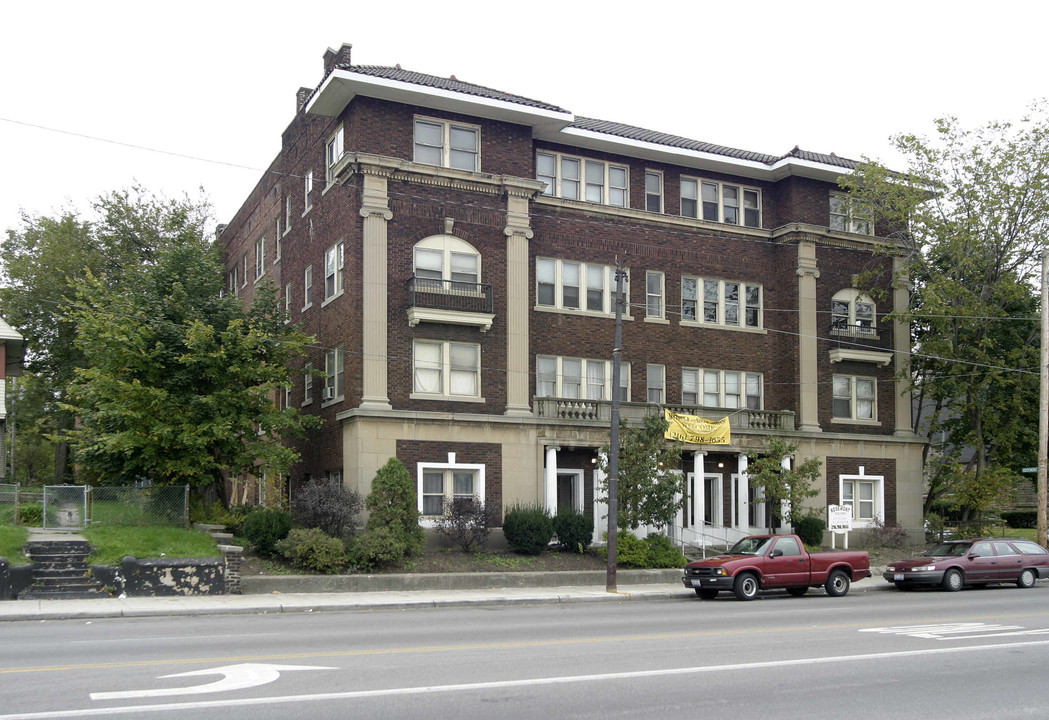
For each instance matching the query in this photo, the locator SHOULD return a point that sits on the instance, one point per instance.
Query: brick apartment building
(453, 250)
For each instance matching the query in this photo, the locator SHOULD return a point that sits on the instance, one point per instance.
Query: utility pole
(1043, 405)
(613, 438)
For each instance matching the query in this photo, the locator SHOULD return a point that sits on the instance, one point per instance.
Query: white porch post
(785, 504)
(699, 494)
(550, 480)
(742, 494)
(600, 507)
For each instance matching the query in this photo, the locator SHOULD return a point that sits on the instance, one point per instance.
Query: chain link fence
(124, 506)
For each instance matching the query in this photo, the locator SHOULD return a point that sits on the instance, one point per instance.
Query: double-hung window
(287, 214)
(848, 215)
(721, 388)
(333, 154)
(855, 398)
(287, 302)
(441, 486)
(445, 259)
(307, 384)
(260, 257)
(654, 191)
(307, 287)
(657, 384)
(233, 285)
(576, 178)
(569, 285)
(307, 186)
(720, 202)
(654, 294)
(721, 302)
(579, 378)
(334, 374)
(447, 369)
(865, 494)
(333, 265)
(447, 144)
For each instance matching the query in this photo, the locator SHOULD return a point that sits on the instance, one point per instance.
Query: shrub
(329, 506)
(1021, 518)
(810, 530)
(31, 514)
(466, 522)
(574, 530)
(886, 535)
(631, 551)
(528, 529)
(265, 527)
(662, 553)
(313, 549)
(392, 533)
(947, 510)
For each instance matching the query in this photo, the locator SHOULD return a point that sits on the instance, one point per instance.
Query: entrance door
(712, 508)
(570, 490)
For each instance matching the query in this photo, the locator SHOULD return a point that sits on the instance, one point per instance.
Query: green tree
(392, 533)
(784, 489)
(651, 487)
(30, 419)
(179, 384)
(971, 215)
(44, 258)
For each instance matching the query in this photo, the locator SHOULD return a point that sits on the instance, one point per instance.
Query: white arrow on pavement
(236, 677)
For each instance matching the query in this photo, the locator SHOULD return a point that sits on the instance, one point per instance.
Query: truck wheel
(706, 593)
(837, 584)
(745, 586)
(1027, 579)
(953, 580)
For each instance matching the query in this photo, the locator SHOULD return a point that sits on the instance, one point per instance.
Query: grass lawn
(12, 538)
(112, 544)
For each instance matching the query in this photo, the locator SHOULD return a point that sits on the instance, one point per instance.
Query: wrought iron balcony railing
(437, 294)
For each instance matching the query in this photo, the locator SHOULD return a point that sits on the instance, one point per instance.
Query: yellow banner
(694, 429)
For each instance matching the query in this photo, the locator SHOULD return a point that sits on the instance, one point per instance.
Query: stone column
(742, 494)
(550, 480)
(784, 508)
(901, 345)
(699, 493)
(808, 331)
(375, 209)
(518, 233)
(600, 507)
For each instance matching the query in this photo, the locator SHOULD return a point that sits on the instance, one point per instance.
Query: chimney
(337, 58)
(301, 97)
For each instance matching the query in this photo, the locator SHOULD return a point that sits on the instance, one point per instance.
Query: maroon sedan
(976, 563)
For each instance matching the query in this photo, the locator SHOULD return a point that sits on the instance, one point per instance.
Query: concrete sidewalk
(343, 601)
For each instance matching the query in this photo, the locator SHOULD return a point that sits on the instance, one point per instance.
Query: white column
(518, 233)
(700, 492)
(600, 507)
(785, 504)
(742, 493)
(550, 480)
(376, 213)
(808, 331)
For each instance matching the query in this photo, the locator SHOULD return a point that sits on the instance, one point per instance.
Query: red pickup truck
(775, 561)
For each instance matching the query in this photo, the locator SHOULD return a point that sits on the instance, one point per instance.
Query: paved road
(868, 655)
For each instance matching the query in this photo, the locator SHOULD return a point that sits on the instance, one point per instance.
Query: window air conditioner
(328, 393)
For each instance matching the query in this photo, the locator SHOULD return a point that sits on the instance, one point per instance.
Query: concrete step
(90, 593)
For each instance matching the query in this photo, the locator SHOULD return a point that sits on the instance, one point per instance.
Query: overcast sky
(177, 96)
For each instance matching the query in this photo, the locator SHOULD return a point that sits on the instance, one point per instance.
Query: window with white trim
(333, 153)
(569, 285)
(333, 265)
(244, 274)
(448, 259)
(721, 302)
(654, 294)
(439, 483)
(720, 202)
(260, 257)
(287, 302)
(576, 178)
(334, 374)
(653, 191)
(722, 388)
(446, 369)
(287, 214)
(852, 313)
(657, 384)
(447, 144)
(307, 185)
(307, 287)
(855, 398)
(849, 215)
(579, 378)
(277, 244)
(233, 285)
(865, 494)
(307, 384)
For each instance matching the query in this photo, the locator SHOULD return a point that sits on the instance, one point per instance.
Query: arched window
(852, 313)
(448, 259)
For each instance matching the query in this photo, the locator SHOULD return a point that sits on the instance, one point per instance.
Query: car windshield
(751, 546)
(948, 550)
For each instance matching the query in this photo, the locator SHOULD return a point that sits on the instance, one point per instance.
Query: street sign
(1029, 470)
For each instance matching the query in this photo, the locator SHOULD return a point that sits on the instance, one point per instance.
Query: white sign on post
(839, 522)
